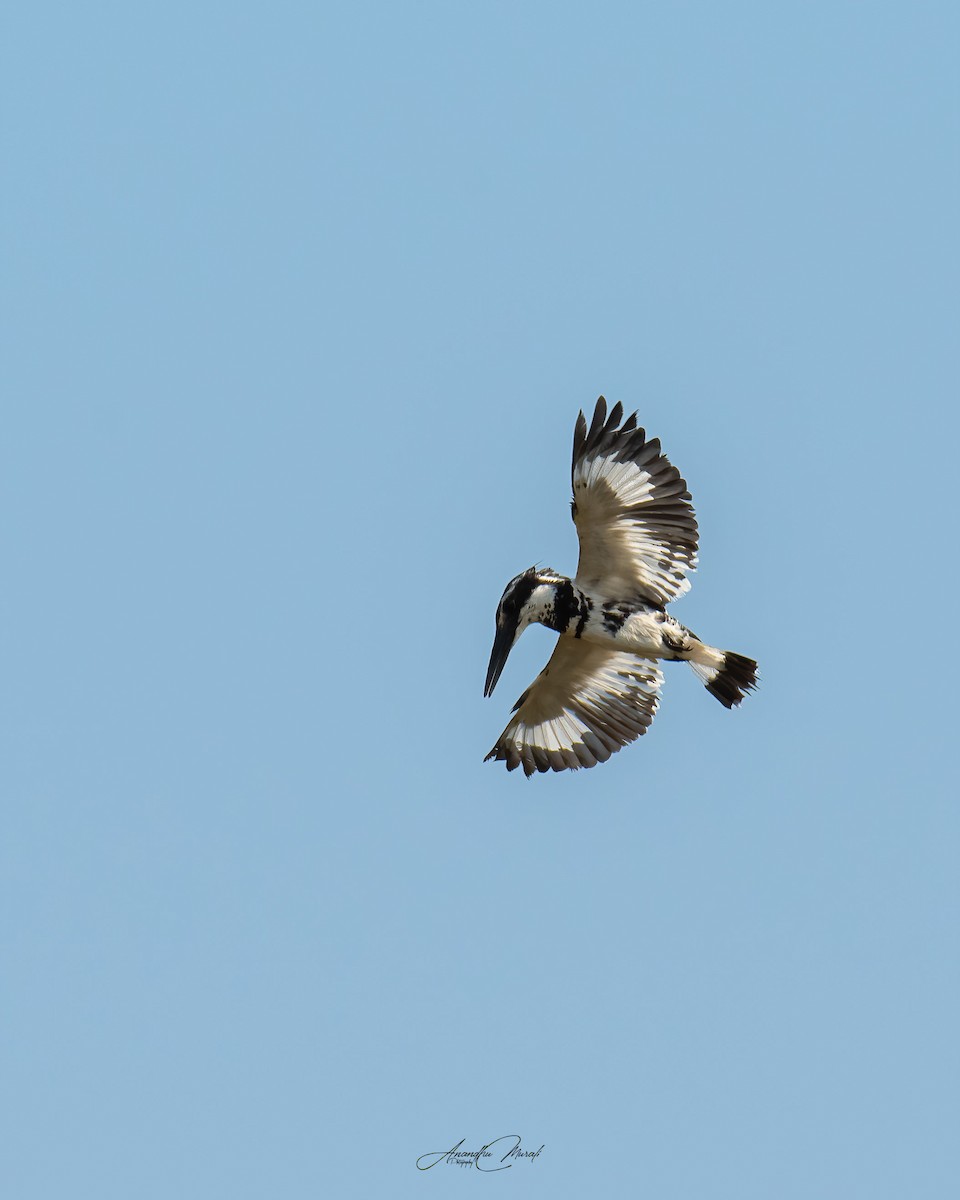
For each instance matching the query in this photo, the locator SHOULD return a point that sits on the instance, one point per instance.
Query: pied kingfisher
(638, 540)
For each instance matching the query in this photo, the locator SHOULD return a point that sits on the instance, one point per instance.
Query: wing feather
(637, 528)
(587, 703)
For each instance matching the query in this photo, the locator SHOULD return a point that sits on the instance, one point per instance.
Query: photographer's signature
(487, 1158)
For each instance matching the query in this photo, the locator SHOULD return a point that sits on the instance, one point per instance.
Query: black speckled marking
(586, 604)
(614, 615)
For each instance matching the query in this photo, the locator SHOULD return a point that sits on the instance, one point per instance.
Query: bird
(638, 543)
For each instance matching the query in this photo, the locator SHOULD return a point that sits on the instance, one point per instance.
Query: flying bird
(638, 543)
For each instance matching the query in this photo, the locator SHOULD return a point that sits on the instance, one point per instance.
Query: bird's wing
(638, 532)
(584, 705)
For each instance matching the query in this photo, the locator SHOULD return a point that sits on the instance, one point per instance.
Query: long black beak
(502, 645)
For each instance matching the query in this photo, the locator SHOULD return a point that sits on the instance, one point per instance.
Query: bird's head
(529, 598)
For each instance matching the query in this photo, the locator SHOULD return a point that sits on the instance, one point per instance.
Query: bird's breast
(621, 624)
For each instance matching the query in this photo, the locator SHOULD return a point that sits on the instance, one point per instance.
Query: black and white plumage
(638, 542)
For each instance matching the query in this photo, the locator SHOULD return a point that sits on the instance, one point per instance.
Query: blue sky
(300, 304)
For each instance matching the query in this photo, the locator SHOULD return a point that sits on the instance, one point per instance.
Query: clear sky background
(300, 303)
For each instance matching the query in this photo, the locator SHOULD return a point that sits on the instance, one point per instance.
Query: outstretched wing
(637, 529)
(584, 705)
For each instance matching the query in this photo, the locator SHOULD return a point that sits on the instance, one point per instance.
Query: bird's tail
(729, 678)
